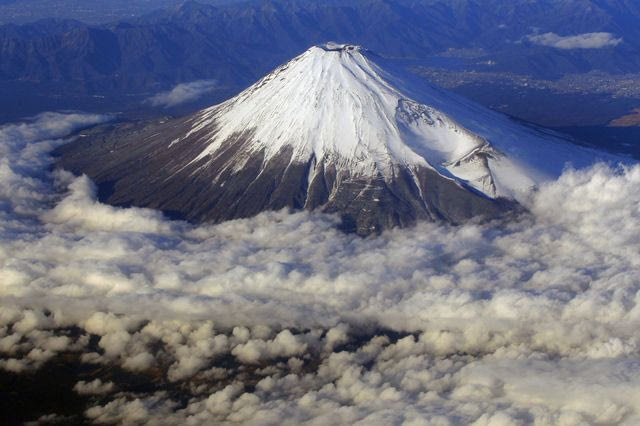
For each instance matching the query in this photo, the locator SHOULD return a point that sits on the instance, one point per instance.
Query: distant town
(618, 86)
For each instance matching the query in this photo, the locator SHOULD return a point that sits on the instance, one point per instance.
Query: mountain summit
(338, 129)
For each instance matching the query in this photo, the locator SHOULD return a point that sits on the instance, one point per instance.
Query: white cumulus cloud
(283, 319)
(183, 93)
(95, 387)
(598, 40)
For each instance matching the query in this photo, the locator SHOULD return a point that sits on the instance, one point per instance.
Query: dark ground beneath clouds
(114, 315)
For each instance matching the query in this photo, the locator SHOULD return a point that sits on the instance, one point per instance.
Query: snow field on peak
(330, 104)
(335, 103)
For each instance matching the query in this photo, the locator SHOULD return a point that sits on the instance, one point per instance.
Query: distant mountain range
(89, 11)
(66, 64)
(237, 43)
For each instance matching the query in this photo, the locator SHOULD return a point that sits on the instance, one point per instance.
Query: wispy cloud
(183, 93)
(579, 41)
(283, 319)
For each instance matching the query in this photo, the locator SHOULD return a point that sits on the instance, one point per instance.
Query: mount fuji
(339, 129)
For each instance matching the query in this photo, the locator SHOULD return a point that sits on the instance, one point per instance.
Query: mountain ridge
(220, 38)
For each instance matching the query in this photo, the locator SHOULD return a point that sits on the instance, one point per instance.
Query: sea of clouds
(282, 319)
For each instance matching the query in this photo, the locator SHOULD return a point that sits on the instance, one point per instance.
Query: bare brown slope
(136, 165)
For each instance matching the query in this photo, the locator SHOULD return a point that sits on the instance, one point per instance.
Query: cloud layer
(183, 93)
(579, 41)
(281, 319)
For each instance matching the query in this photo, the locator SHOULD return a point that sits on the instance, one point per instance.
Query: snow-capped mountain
(337, 128)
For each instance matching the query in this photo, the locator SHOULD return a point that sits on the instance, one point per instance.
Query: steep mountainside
(337, 128)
